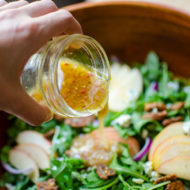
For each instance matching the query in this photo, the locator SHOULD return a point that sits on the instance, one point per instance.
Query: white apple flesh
(169, 141)
(37, 153)
(34, 137)
(21, 160)
(170, 131)
(171, 151)
(179, 165)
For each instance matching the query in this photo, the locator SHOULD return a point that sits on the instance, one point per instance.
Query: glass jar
(56, 75)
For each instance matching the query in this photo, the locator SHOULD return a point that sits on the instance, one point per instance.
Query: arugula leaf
(159, 185)
(105, 185)
(70, 173)
(62, 138)
(125, 170)
(152, 66)
(61, 170)
(47, 126)
(5, 153)
(18, 181)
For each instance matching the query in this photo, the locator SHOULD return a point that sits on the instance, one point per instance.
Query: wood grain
(130, 30)
(179, 4)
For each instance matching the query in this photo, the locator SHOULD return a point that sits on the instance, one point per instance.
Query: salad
(146, 138)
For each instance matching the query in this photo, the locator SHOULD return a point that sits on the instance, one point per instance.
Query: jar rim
(56, 102)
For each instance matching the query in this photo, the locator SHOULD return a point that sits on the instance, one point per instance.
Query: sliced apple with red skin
(171, 151)
(98, 147)
(164, 144)
(22, 161)
(34, 137)
(112, 135)
(37, 153)
(179, 165)
(170, 131)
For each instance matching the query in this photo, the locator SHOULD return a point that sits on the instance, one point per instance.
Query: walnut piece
(155, 116)
(171, 177)
(47, 185)
(175, 185)
(150, 106)
(166, 122)
(177, 106)
(79, 122)
(104, 172)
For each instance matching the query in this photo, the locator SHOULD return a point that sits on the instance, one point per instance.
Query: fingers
(57, 23)
(14, 4)
(2, 2)
(39, 8)
(27, 109)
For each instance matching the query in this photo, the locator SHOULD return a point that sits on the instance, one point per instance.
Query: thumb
(27, 109)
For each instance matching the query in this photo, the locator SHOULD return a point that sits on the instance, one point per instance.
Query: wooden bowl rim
(172, 11)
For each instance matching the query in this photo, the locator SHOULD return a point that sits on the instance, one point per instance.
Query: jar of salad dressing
(70, 74)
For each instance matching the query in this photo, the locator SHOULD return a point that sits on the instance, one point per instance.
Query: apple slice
(37, 153)
(172, 130)
(125, 85)
(98, 147)
(34, 137)
(179, 165)
(164, 144)
(21, 160)
(113, 136)
(171, 151)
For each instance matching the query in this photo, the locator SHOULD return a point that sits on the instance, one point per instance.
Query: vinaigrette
(92, 149)
(70, 74)
(81, 88)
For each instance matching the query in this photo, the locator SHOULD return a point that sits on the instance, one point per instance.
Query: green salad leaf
(159, 85)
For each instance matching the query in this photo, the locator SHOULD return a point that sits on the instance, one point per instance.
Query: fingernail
(49, 115)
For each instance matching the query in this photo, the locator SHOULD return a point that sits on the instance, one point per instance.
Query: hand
(24, 28)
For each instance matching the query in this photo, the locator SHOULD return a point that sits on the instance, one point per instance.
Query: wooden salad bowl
(130, 30)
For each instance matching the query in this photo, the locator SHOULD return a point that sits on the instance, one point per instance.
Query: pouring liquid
(101, 115)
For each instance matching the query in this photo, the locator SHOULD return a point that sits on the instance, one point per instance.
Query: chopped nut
(49, 133)
(150, 106)
(104, 172)
(79, 122)
(176, 185)
(47, 185)
(155, 116)
(177, 106)
(171, 177)
(166, 122)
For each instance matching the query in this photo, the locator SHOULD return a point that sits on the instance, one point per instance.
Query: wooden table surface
(179, 4)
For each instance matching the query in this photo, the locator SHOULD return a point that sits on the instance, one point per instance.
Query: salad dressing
(101, 115)
(84, 90)
(81, 89)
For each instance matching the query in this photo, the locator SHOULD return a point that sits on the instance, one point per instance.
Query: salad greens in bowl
(146, 134)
